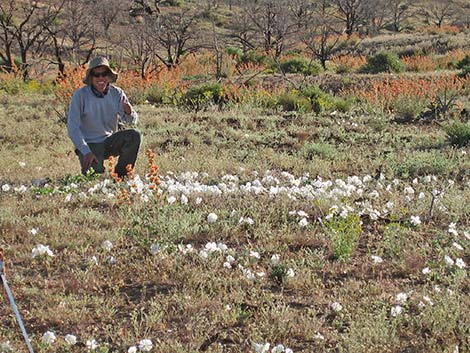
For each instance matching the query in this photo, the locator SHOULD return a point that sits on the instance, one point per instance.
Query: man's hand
(126, 106)
(88, 160)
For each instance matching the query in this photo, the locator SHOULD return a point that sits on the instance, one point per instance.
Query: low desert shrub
(201, 96)
(464, 66)
(423, 163)
(344, 235)
(300, 65)
(458, 133)
(383, 62)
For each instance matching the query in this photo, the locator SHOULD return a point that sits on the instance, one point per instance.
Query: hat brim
(113, 76)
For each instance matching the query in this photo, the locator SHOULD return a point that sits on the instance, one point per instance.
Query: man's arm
(129, 115)
(73, 125)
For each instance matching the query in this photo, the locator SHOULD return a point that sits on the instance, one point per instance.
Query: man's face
(100, 78)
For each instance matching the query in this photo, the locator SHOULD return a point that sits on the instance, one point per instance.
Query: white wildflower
(261, 347)
(303, 222)
(42, 250)
(401, 298)
(184, 199)
(409, 191)
(48, 338)
(211, 217)
(452, 229)
(415, 220)
(460, 263)
(132, 349)
(255, 255)
(457, 246)
(428, 300)
(71, 339)
(396, 310)
(22, 164)
(275, 259)
(336, 307)
(290, 273)
(91, 344)
(448, 260)
(278, 349)
(6, 188)
(377, 259)
(107, 245)
(33, 231)
(246, 220)
(145, 345)
(198, 200)
(155, 248)
(426, 271)
(171, 199)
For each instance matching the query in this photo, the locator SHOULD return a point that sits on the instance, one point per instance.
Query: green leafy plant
(344, 234)
(300, 65)
(201, 96)
(383, 62)
(458, 133)
(279, 274)
(464, 66)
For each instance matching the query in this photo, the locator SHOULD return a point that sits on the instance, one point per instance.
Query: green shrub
(344, 234)
(320, 100)
(279, 274)
(464, 66)
(293, 101)
(423, 163)
(383, 62)
(321, 149)
(201, 96)
(252, 57)
(300, 65)
(458, 133)
(343, 104)
(236, 52)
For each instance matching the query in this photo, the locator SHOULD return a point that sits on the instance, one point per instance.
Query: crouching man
(93, 118)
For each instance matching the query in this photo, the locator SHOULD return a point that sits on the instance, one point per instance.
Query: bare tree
(324, 36)
(175, 33)
(438, 11)
(26, 23)
(351, 12)
(6, 37)
(242, 30)
(375, 15)
(400, 11)
(139, 47)
(73, 35)
(272, 22)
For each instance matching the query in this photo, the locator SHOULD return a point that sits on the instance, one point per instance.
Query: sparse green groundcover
(330, 232)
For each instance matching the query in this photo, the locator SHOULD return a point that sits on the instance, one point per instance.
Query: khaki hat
(100, 61)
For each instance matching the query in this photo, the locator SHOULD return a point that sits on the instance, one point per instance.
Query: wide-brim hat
(100, 61)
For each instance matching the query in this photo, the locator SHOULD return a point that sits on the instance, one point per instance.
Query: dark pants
(123, 143)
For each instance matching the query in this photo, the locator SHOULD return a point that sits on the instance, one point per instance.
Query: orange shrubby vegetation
(351, 62)
(452, 57)
(447, 29)
(419, 63)
(386, 93)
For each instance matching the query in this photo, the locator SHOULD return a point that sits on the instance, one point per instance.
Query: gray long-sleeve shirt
(92, 119)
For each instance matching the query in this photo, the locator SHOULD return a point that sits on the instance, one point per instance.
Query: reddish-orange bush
(386, 93)
(419, 63)
(349, 63)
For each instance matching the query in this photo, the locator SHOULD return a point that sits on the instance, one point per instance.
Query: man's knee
(133, 136)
